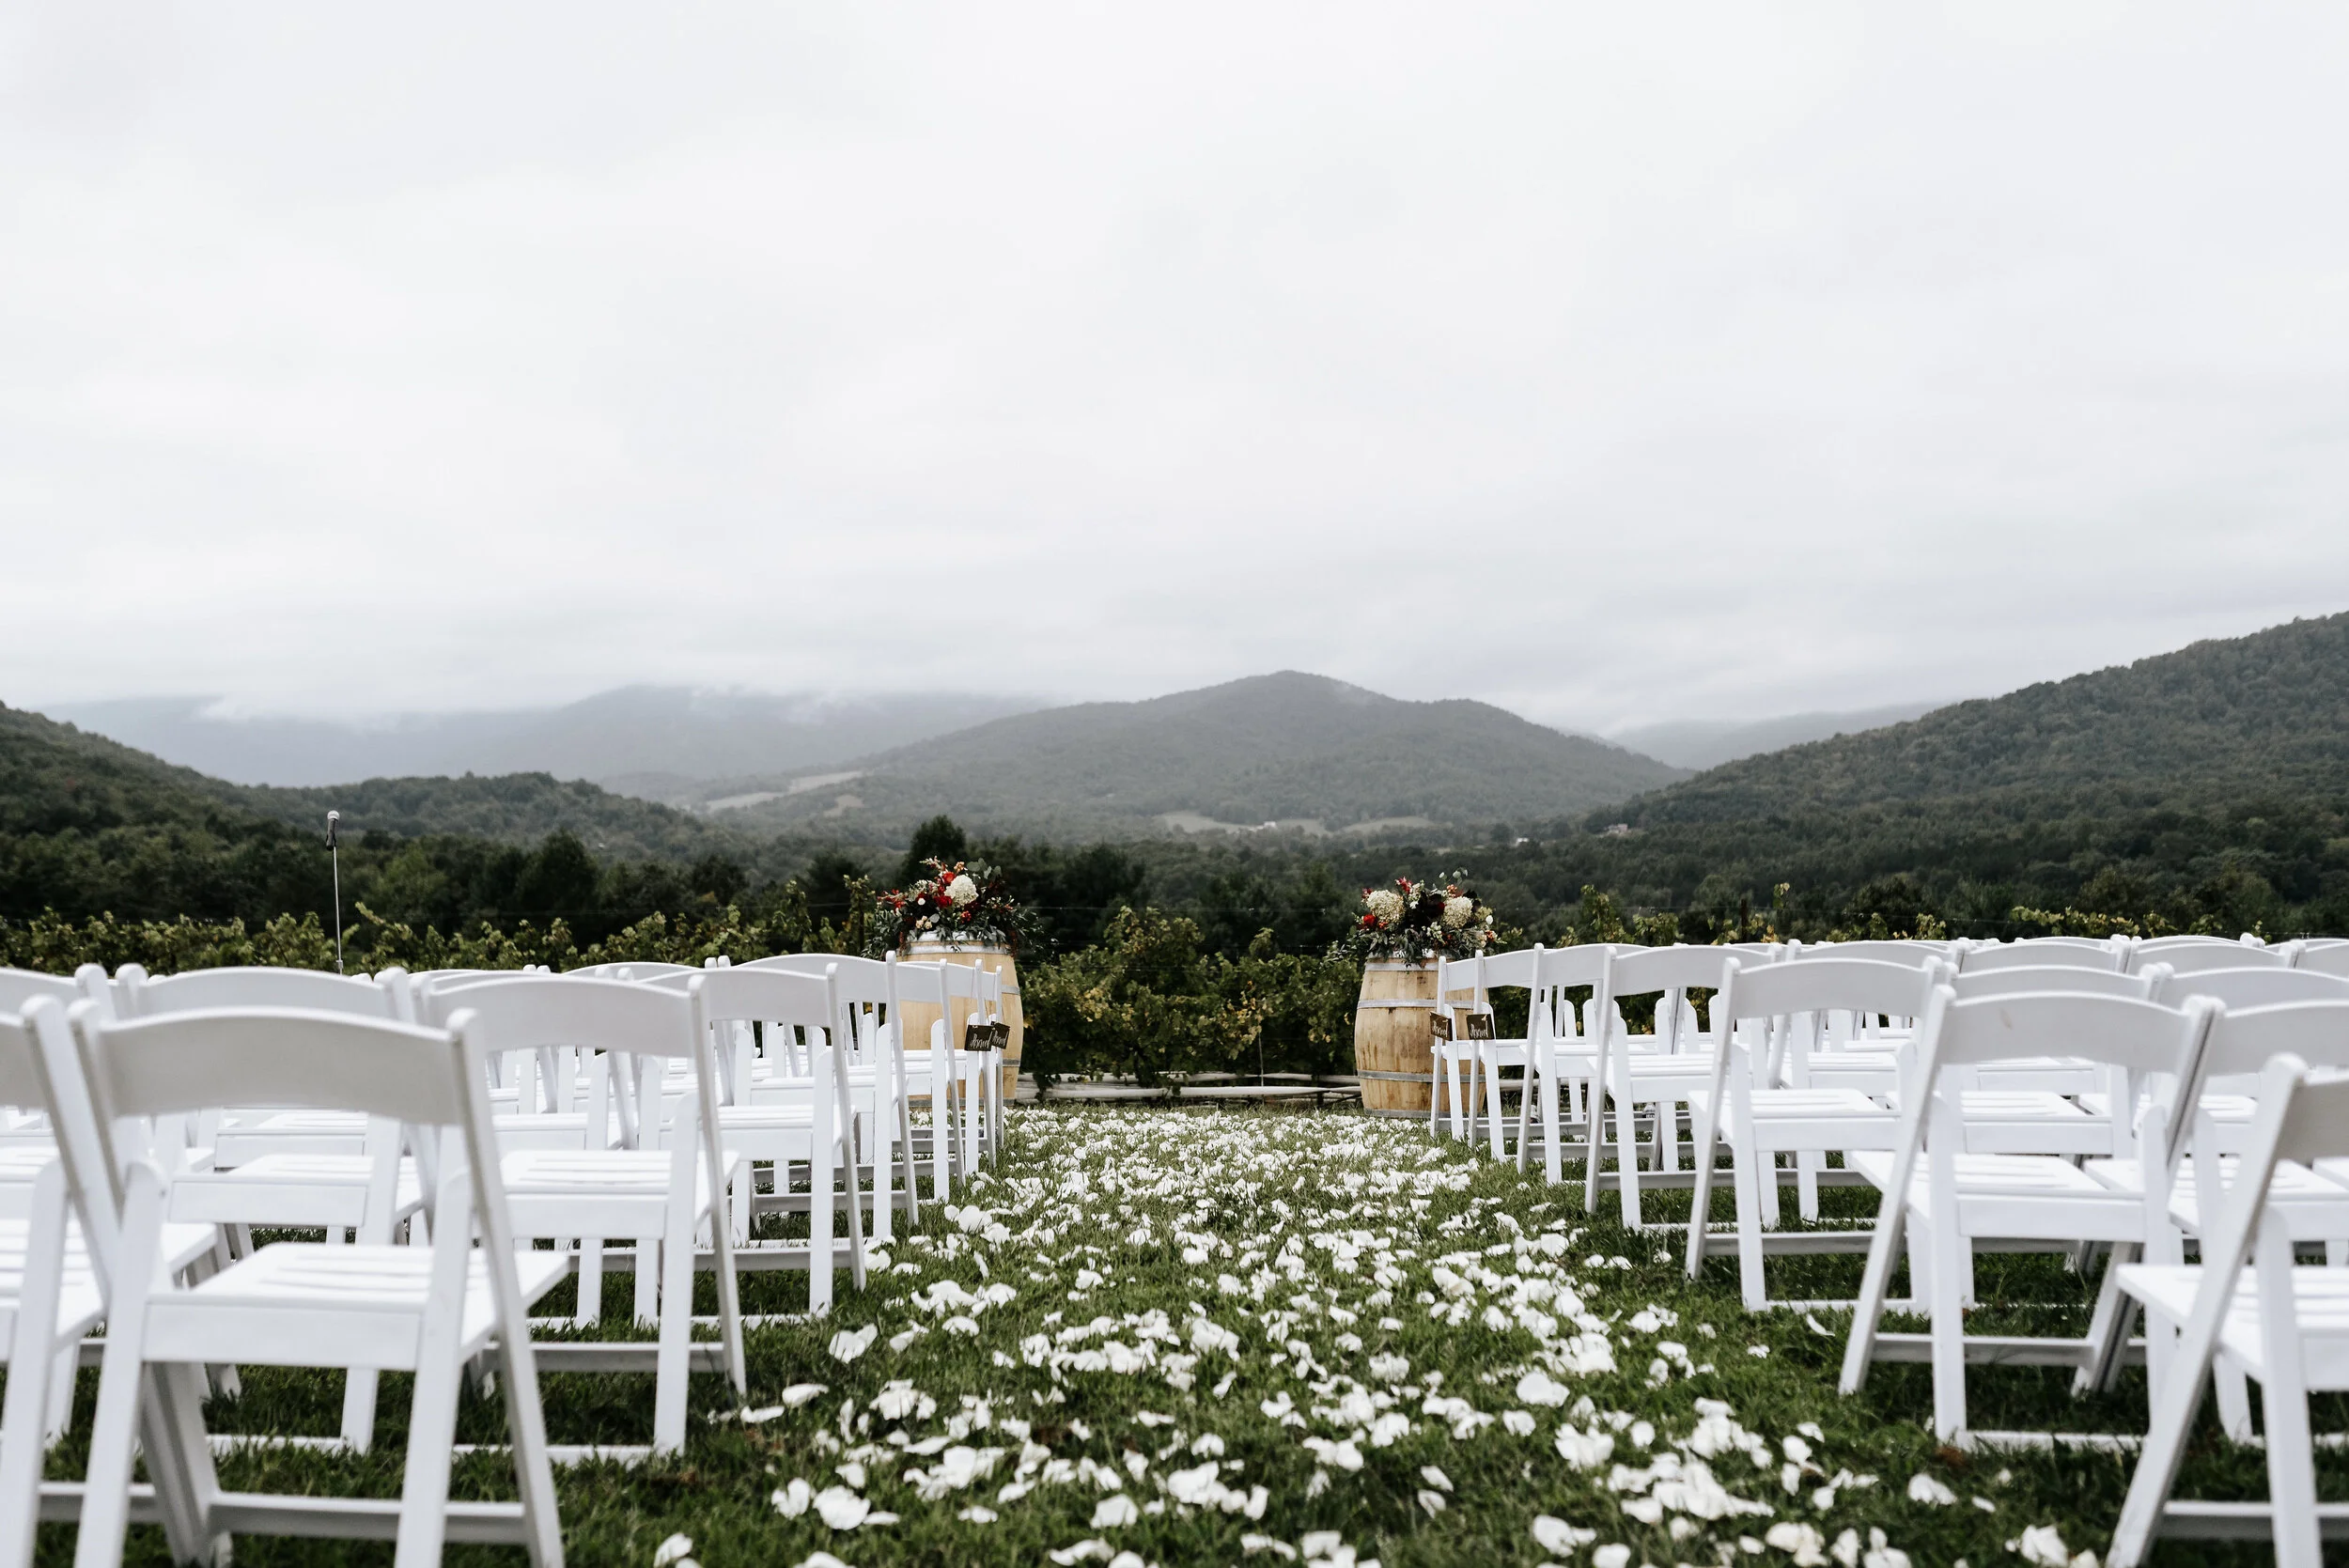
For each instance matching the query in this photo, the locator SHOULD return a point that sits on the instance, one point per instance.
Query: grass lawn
(1187, 1337)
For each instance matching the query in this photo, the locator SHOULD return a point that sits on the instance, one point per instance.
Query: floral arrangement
(1415, 921)
(965, 902)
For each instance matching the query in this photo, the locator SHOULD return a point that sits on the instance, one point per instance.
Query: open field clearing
(1176, 1337)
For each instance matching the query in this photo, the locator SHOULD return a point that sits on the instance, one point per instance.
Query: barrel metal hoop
(1399, 1077)
(1392, 1002)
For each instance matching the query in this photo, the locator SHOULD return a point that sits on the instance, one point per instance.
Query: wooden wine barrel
(1392, 1020)
(995, 960)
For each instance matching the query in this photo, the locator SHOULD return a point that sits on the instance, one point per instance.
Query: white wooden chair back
(2054, 953)
(1669, 973)
(2324, 958)
(200, 990)
(2214, 955)
(2267, 987)
(18, 986)
(2023, 980)
(1915, 954)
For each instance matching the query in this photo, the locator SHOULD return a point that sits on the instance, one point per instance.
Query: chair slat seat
(287, 1303)
(1990, 1176)
(2320, 1300)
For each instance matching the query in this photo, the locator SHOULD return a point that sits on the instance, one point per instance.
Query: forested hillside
(511, 808)
(2211, 779)
(1290, 748)
(2269, 712)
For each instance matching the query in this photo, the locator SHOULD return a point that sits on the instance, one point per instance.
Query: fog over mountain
(651, 740)
(1701, 743)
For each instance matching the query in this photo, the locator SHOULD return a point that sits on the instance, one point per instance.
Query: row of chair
(464, 1141)
(2068, 1096)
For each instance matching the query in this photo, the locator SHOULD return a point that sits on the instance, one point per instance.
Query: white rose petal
(2042, 1547)
(670, 1550)
(1556, 1535)
(841, 1508)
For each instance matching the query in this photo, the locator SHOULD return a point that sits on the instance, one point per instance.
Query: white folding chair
(660, 1198)
(1759, 1120)
(1562, 1051)
(49, 1292)
(1461, 1011)
(2285, 1325)
(795, 1120)
(2270, 1013)
(1939, 1191)
(421, 1310)
(999, 1041)
(1679, 1060)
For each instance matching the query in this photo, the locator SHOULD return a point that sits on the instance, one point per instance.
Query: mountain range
(2215, 777)
(1287, 752)
(649, 740)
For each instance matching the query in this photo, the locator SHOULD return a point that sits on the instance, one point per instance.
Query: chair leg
(1701, 1195)
(105, 1502)
(2234, 1400)
(2284, 1403)
(2170, 1423)
(359, 1391)
(1554, 1156)
(32, 1362)
(2109, 1330)
(1753, 1172)
(647, 1280)
(432, 1415)
(61, 1373)
(590, 1307)
(1628, 1160)
(1874, 1284)
(677, 1334)
(1807, 1164)
(1525, 1106)
(1949, 1331)
(1495, 1146)
(1594, 1141)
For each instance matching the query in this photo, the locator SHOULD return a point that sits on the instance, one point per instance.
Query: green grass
(1126, 1195)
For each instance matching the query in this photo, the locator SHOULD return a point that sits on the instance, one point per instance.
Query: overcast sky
(1614, 364)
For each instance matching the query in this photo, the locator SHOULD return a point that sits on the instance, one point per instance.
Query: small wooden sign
(1003, 1034)
(977, 1035)
(1479, 1026)
(1440, 1026)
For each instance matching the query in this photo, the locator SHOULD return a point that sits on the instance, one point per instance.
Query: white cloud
(1738, 361)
